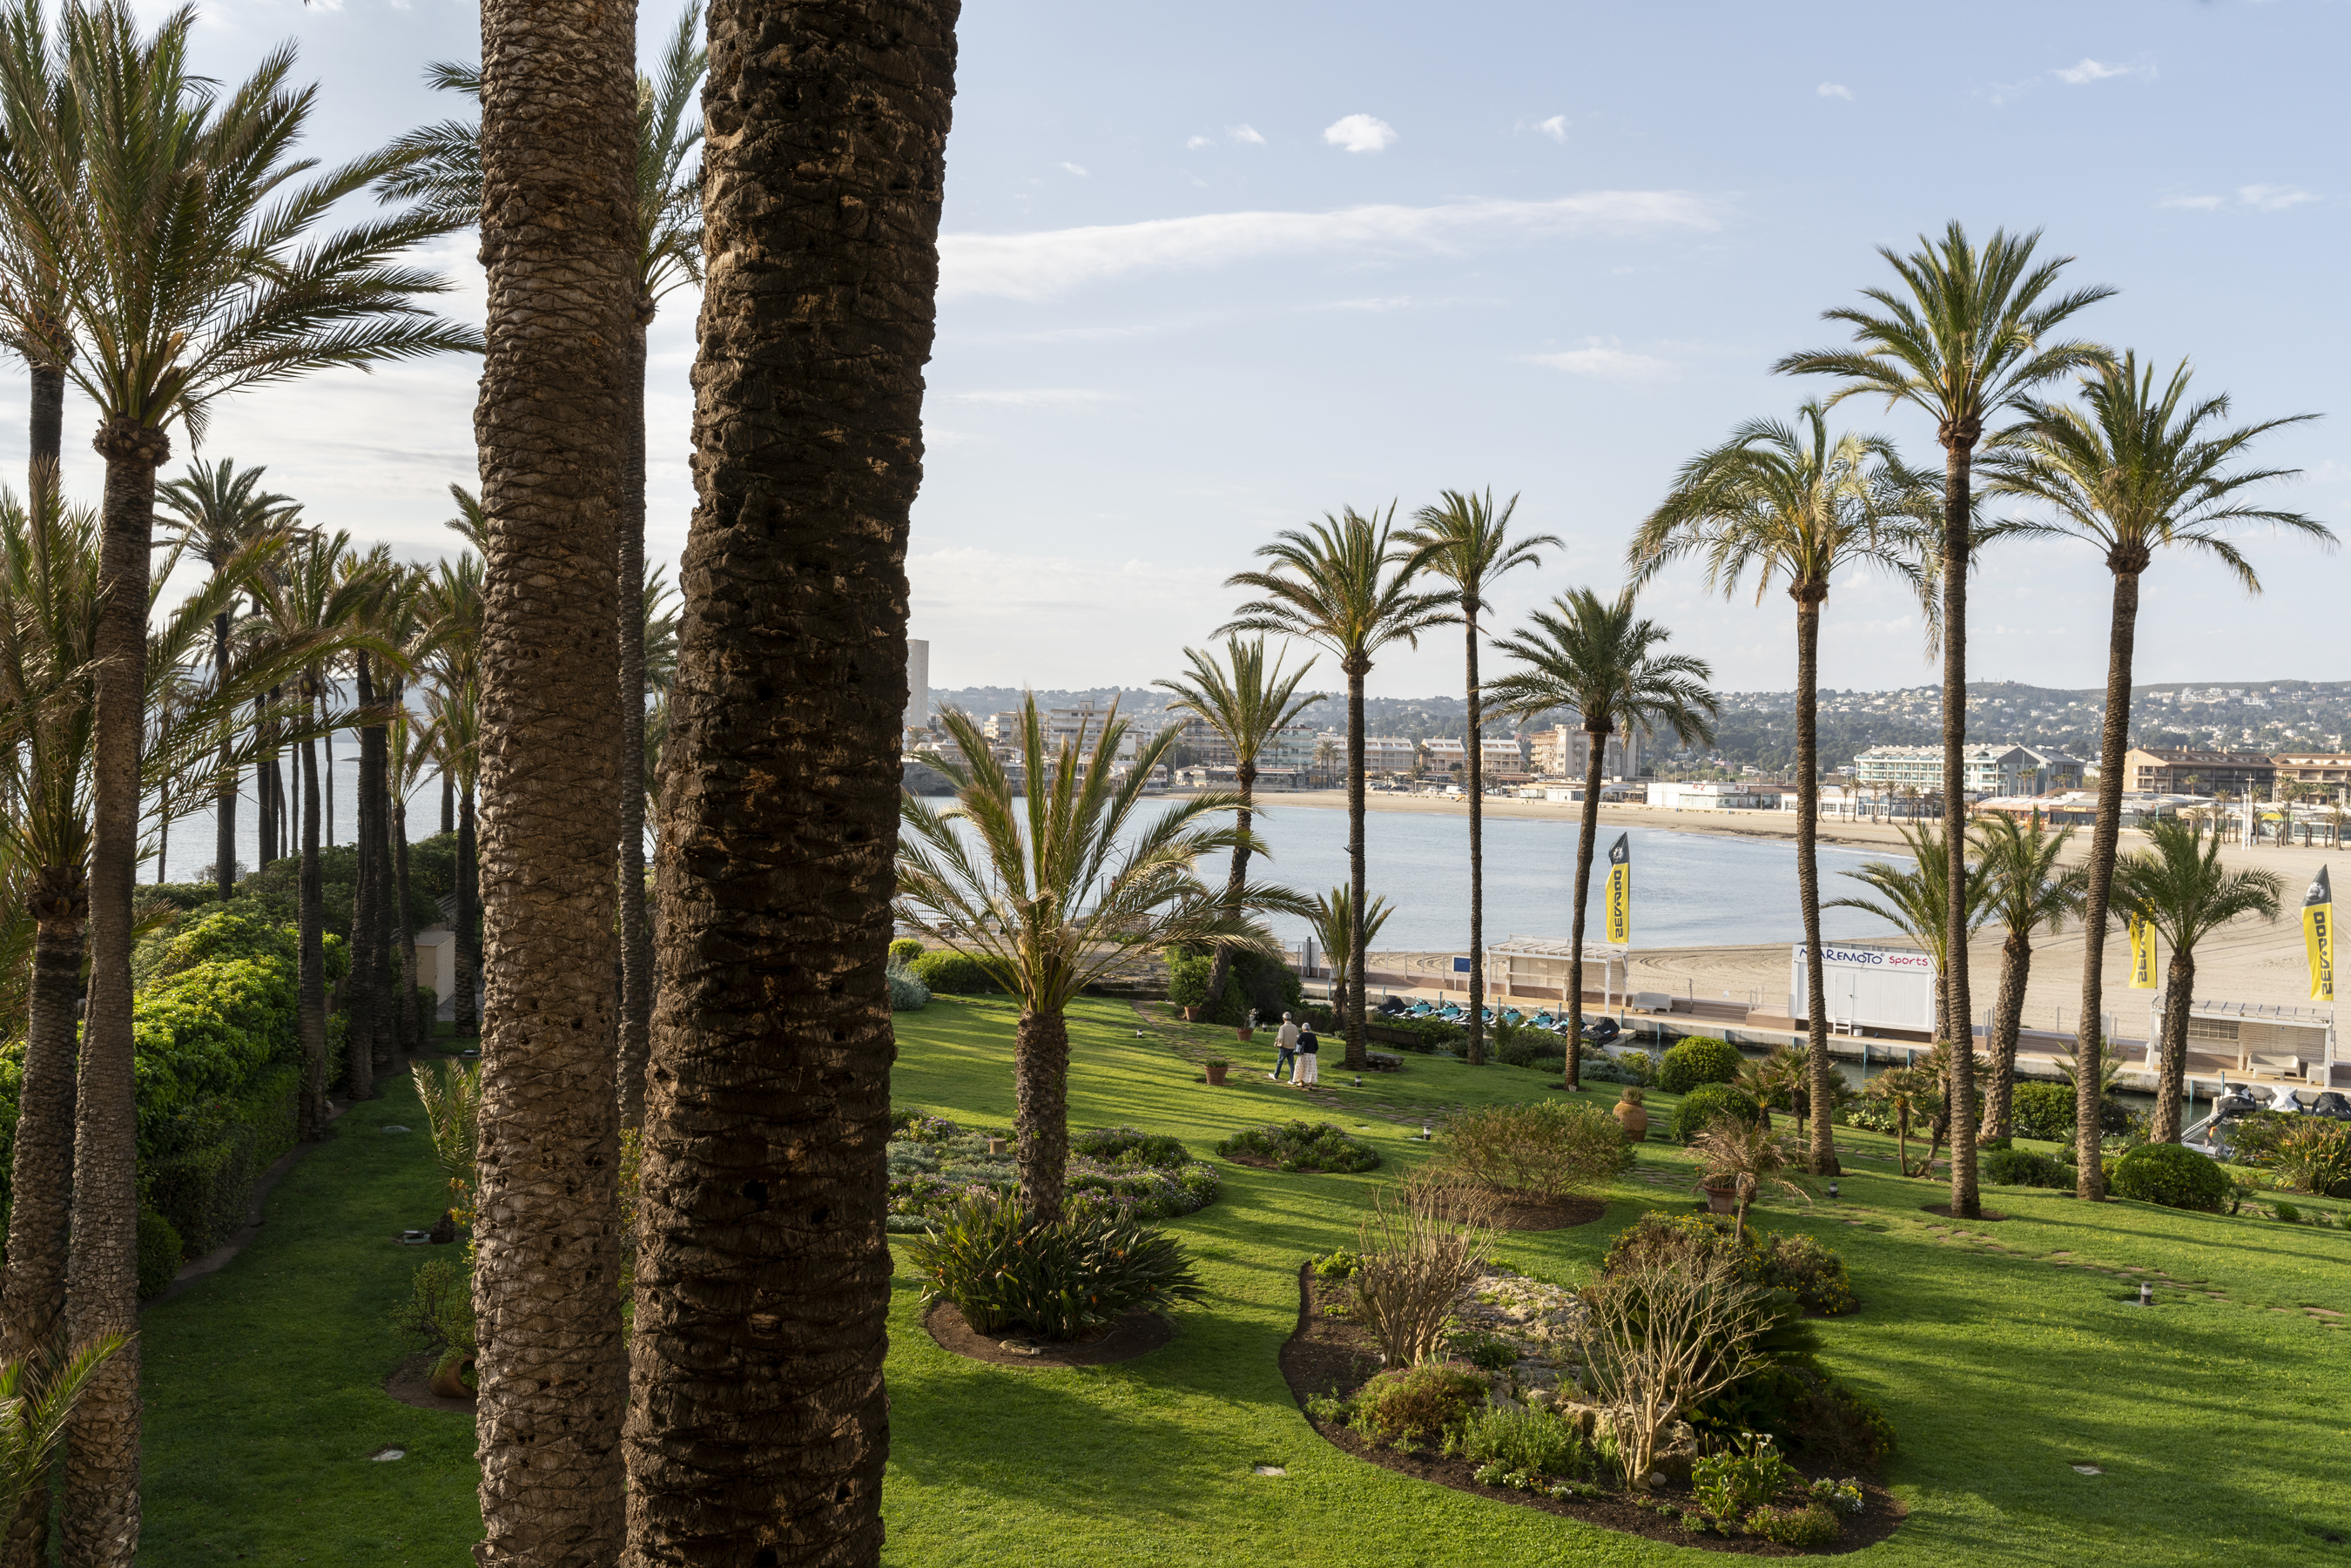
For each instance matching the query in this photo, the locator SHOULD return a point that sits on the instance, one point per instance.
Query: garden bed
(1139, 1332)
(1514, 1211)
(1327, 1356)
(933, 1161)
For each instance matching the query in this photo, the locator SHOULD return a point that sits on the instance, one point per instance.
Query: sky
(1212, 271)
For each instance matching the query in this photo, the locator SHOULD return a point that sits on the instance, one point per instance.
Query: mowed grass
(2217, 1423)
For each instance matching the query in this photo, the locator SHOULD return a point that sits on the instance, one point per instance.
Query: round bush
(905, 950)
(2172, 1175)
(1701, 1059)
(2021, 1167)
(907, 994)
(1419, 1403)
(1301, 1146)
(1810, 1526)
(159, 1253)
(951, 974)
(2046, 1111)
(1709, 1101)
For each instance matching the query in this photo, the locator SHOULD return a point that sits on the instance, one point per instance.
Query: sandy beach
(2250, 961)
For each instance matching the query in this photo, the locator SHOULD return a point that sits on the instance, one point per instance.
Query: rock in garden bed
(1519, 1336)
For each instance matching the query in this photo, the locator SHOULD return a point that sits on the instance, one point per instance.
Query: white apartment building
(1296, 747)
(1563, 752)
(1992, 769)
(1382, 753)
(1495, 754)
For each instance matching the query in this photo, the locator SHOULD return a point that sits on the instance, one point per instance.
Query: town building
(1381, 754)
(2320, 769)
(1985, 770)
(1565, 752)
(918, 684)
(2187, 770)
(1496, 755)
(1298, 746)
(1719, 795)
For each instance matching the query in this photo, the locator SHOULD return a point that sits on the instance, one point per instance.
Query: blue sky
(1212, 270)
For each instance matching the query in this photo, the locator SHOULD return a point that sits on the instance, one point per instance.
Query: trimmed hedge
(1709, 1101)
(1701, 1059)
(2045, 1110)
(2173, 1175)
(952, 975)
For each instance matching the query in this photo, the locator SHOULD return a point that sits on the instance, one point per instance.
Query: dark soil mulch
(1327, 1356)
(1548, 1213)
(1988, 1216)
(411, 1383)
(1139, 1332)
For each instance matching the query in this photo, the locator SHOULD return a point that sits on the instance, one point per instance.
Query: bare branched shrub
(1423, 1242)
(1658, 1340)
(1545, 1150)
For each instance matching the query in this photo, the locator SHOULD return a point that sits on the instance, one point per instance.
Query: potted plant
(1215, 1066)
(1737, 1161)
(1248, 1029)
(1631, 1115)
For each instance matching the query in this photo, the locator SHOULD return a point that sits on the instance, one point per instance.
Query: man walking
(1287, 1039)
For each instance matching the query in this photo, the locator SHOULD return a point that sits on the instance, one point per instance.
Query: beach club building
(2009, 769)
(1866, 985)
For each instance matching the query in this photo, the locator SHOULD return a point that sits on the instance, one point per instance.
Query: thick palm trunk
(2105, 836)
(2008, 1020)
(1235, 877)
(1957, 521)
(1473, 763)
(414, 1027)
(467, 1017)
(375, 788)
(558, 243)
(761, 1438)
(1041, 1115)
(224, 788)
(636, 928)
(33, 1289)
(448, 803)
(1357, 667)
(1820, 1073)
(102, 1510)
(1586, 837)
(46, 421)
(310, 920)
(362, 990)
(2171, 1085)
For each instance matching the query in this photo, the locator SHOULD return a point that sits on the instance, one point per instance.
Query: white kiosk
(1867, 985)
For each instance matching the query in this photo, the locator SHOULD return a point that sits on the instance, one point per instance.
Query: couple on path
(1299, 1052)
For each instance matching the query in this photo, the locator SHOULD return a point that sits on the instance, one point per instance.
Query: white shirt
(1287, 1037)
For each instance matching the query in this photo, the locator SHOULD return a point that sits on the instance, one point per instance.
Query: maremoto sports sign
(1878, 959)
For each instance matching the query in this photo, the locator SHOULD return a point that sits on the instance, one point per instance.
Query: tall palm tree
(1970, 332)
(1350, 584)
(452, 605)
(42, 122)
(779, 768)
(191, 270)
(447, 178)
(1913, 899)
(1050, 893)
(410, 756)
(1248, 705)
(2178, 885)
(1598, 657)
(1469, 547)
(1788, 502)
(1332, 918)
(2131, 471)
(2029, 892)
(217, 511)
(558, 214)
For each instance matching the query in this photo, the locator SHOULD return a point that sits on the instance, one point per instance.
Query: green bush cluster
(160, 1253)
(2022, 1168)
(1523, 1441)
(951, 974)
(932, 1163)
(2315, 1157)
(1059, 1280)
(2046, 1111)
(1416, 1404)
(1701, 1058)
(905, 949)
(1302, 1147)
(439, 1313)
(2172, 1175)
(1808, 1526)
(1709, 1102)
(907, 994)
(1811, 1272)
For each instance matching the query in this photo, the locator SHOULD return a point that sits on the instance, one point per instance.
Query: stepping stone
(2323, 1311)
(2061, 1254)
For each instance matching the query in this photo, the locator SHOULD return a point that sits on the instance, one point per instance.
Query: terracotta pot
(449, 1377)
(1244, 1034)
(1633, 1119)
(1191, 1015)
(1215, 1071)
(1720, 1199)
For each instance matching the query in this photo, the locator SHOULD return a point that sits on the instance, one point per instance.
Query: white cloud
(1835, 89)
(1037, 397)
(1193, 144)
(1245, 134)
(1074, 168)
(1391, 302)
(1555, 127)
(1605, 361)
(2090, 71)
(2273, 198)
(1036, 266)
(2194, 203)
(1359, 133)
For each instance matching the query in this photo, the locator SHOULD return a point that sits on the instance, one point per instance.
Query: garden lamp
(1833, 1193)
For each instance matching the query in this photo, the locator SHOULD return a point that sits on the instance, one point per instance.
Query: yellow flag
(2318, 936)
(2142, 938)
(1620, 888)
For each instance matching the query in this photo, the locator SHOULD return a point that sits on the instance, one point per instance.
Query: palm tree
(1598, 657)
(1973, 335)
(558, 213)
(190, 271)
(42, 120)
(1469, 546)
(447, 177)
(1347, 584)
(2176, 884)
(2131, 471)
(410, 754)
(1048, 895)
(452, 603)
(1746, 1158)
(2029, 892)
(1332, 918)
(1248, 705)
(1912, 900)
(1788, 502)
(218, 512)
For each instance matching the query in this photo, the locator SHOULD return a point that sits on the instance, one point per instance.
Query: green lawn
(2216, 1422)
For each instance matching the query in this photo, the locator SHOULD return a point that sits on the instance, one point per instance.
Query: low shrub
(1338, 1264)
(2022, 1168)
(2315, 1157)
(1302, 1147)
(2172, 1175)
(1809, 1527)
(1059, 1280)
(1547, 1149)
(1417, 1404)
(1527, 1046)
(932, 1163)
(1708, 1102)
(1701, 1058)
(1803, 1409)
(2045, 1110)
(1523, 1441)
(1188, 979)
(160, 1252)
(905, 949)
(439, 1312)
(1431, 1034)
(1130, 1146)
(951, 974)
(1747, 1475)
(907, 994)
(2255, 1139)
(1810, 1269)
